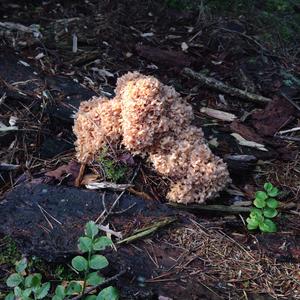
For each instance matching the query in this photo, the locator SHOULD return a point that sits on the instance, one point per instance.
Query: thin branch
(290, 100)
(232, 209)
(224, 88)
(116, 201)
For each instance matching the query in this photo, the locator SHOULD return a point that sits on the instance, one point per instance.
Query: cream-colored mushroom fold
(149, 117)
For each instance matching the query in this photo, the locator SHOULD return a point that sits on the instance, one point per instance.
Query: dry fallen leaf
(72, 168)
(89, 178)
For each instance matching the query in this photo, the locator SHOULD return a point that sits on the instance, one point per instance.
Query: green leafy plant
(26, 286)
(265, 209)
(29, 286)
(90, 265)
(113, 170)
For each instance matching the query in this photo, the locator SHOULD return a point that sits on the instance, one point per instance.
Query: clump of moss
(113, 170)
(9, 253)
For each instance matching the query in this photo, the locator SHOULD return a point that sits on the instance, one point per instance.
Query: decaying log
(224, 88)
(241, 164)
(232, 209)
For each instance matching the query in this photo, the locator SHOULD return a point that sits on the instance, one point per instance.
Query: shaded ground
(42, 82)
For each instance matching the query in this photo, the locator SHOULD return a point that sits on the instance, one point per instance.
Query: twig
(290, 100)
(247, 37)
(110, 210)
(48, 221)
(124, 210)
(289, 130)
(107, 185)
(218, 114)
(91, 289)
(140, 233)
(80, 175)
(110, 231)
(17, 26)
(8, 167)
(232, 209)
(220, 86)
(287, 138)
(54, 219)
(116, 201)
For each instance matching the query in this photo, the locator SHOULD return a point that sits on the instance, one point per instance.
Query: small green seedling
(29, 286)
(265, 209)
(90, 266)
(26, 286)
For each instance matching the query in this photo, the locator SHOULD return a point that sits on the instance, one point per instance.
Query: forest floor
(78, 49)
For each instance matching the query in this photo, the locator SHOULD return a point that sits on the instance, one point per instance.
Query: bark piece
(246, 132)
(218, 114)
(224, 88)
(168, 58)
(271, 119)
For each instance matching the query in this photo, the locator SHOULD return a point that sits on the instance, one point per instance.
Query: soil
(204, 254)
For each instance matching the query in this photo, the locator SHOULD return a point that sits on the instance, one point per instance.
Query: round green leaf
(79, 263)
(94, 279)
(268, 226)
(261, 195)
(55, 297)
(91, 297)
(91, 229)
(14, 280)
(36, 280)
(256, 213)
(109, 293)
(272, 203)
(259, 203)
(10, 296)
(257, 216)
(270, 212)
(101, 243)
(252, 223)
(28, 280)
(21, 265)
(85, 244)
(33, 280)
(251, 227)
(42, 291)
(17, 291)
(27, 292)
(268, 186)
(60, 291)
(273, 192)
(98, 262)
(73, 288)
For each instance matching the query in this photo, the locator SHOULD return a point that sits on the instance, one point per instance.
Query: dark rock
(21, 216)
(68, 209)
